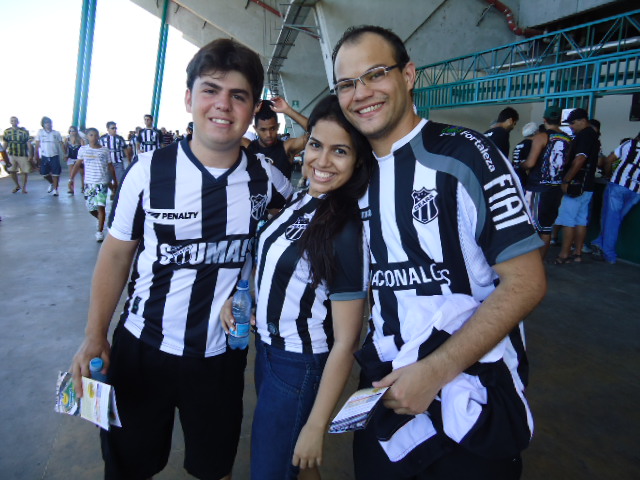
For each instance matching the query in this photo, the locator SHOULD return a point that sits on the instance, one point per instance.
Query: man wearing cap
(621, 195)
(577, 186)
(546, 161)
(499, 133)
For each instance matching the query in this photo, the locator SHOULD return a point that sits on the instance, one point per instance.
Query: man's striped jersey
(149, 139)
(96, 164)
(49, 142)
(627, 174)
(441, 210)
(116, 146)
(17, 141)
(290, 314)
(195, 234)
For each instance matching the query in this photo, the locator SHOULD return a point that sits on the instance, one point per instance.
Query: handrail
(543, 49)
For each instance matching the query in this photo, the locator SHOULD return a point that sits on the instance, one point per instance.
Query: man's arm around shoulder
(522, 286)
(109, 278)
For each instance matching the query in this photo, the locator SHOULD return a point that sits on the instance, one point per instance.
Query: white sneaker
(55, 193)
(50, 189)
(99, 237)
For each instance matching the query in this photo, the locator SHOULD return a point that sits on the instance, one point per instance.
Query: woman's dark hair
(339, 206)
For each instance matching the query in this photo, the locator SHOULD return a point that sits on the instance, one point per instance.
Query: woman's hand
(308, 451)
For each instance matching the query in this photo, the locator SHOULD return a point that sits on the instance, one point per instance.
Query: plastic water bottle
(95, 367)
(241, 308)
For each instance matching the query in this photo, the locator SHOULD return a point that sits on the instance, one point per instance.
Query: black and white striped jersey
(195, 233)
(149, 139)
(627, 173)
(290, 314)
(440, 211)
(116, 146)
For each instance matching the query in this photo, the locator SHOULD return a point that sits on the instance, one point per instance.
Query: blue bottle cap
(96, 364)
(243, 285)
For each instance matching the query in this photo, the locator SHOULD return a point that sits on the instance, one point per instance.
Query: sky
(39, 41)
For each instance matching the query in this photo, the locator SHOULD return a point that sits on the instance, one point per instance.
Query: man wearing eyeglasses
(118, 149)
(454, 270)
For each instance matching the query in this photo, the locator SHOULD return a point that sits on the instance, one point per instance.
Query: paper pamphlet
(98, 404)
(355, 413)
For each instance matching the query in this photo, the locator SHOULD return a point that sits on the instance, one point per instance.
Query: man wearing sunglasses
(454, 270)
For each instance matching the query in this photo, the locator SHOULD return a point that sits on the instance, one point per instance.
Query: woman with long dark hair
(72, 144)
(311, 285)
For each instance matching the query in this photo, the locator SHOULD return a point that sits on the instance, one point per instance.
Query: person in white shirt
(98, 165)
(48, 147)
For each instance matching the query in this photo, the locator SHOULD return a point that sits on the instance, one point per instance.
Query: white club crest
(258, 206)
(295, 231)
(424, 205)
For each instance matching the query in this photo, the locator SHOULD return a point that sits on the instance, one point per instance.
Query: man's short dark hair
(226, 55)
(353, 34)
(507, 113)
(45, 120)
(265, 112)
(110, 124)
(149, 115)
(91, 129)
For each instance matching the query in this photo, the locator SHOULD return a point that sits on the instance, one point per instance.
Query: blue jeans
(286, 385)
(617, 202)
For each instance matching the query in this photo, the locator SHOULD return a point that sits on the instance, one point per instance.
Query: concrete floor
(583, 343)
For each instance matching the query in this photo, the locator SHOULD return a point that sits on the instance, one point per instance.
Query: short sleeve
(126, 221)
(496, 210)
(351, 256)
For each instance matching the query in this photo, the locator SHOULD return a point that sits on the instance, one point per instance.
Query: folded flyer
(355, 413)
(98, 404)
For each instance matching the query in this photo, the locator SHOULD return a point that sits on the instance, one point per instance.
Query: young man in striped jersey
(454, 270)
(185, 218)
(149, 138)
(621, 195)
(118, 150)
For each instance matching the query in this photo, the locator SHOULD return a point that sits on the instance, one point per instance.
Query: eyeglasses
(348, 85)
(72, 131)
(113, 128)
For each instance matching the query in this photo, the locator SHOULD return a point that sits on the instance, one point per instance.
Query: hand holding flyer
(355, 413)
(98, 405)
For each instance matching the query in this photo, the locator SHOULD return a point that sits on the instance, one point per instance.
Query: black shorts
(544, 208)
(150, 385)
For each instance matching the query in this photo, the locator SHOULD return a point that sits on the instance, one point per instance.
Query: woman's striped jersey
(292, 315)
(195, 233)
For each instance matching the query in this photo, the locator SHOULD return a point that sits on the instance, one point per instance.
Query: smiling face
(382, 111)
(267, 131)
(222, 107)
(329, 157)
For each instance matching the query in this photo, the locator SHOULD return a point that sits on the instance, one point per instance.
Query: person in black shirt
(577, 186)
(499, 133)
(521, 151)
(279, 152)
